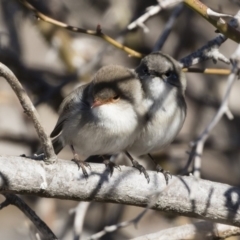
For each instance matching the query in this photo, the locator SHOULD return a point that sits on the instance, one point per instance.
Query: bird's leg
(109, 163)
(138, 166)
(166, 174)
(81, 164)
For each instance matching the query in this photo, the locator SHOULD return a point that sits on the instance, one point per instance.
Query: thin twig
(215, 71)
(198, 230)
(198, 145)
(4, 204)
(168, 27)
(41, 226)
(30, 110)
(208, 51)
(80, 213)
(211, 49)
(118, 226)
(139, 22)
(152, 201)
(151, 11)
(216, 19)
(98, 32)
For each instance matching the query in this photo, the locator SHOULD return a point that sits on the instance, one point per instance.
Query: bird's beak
(96, 104)
(173, 81)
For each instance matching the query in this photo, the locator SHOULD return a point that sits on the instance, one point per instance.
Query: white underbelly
(110, 134)
(158, 133)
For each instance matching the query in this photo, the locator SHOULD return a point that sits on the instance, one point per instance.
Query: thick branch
(30, 110)
(214, 201)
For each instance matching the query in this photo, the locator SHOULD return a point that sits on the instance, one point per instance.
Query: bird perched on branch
(122, 110)
(102, 117)
(163, 85)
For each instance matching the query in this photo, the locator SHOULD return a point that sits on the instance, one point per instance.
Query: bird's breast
(109, 131)
(161, 127)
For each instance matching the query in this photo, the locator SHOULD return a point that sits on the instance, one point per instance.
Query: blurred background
(51, 61)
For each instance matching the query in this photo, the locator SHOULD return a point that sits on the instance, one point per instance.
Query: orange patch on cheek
(98, 103)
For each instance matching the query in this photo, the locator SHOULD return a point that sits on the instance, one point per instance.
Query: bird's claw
(141, 169)
(81, 164)
(111, 165)
(167, 175)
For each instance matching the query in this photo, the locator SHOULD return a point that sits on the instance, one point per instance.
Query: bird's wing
(67, 106)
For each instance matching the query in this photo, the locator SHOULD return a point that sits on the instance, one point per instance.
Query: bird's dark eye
(168, 73)
(145, 71)
(116, 97)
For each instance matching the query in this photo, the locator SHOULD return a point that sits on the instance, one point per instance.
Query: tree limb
(214, 201)
(31, 112)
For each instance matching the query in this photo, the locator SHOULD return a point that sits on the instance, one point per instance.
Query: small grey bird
(102, 117)
(164, 85)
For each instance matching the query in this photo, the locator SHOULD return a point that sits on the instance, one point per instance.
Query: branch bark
(31, 112)
(199, 230)
(214, 201)
(215, 19)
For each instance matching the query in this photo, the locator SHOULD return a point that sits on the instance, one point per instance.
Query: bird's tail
(57, 145)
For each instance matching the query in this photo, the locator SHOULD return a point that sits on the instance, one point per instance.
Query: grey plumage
(138, 111)
(107, 129)
(164, 85)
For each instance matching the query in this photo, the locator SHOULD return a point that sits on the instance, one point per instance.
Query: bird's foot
(111, 165)
(81, 164)
(141, 169)
(167, 175)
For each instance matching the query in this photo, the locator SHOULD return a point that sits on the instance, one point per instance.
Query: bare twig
(215, 71)
(216, 19)
(151, 11)
(118, 226)
(211, 49)
(198, 145)
(199, 230)
(213, 201)
(80, 213)
(139, 22)
(4, 204)
(208, 51)
(168, 28)
(135, 220)
(98, 32)
(43, 229)
(30, 110)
